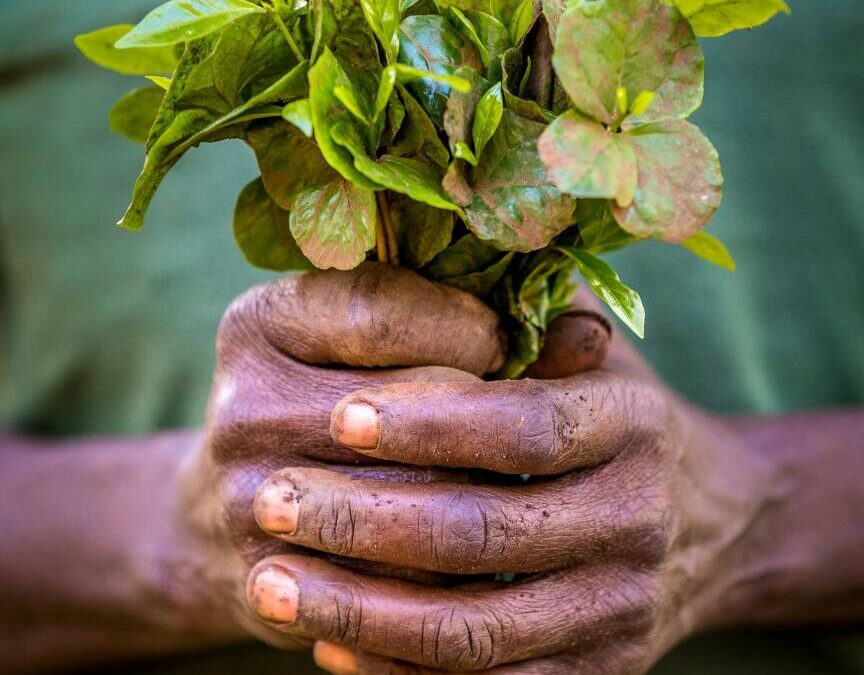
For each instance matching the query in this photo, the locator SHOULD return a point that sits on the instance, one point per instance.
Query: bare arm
(805, 560)
(94, 565)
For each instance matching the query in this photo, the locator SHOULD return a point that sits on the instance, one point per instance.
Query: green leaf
(184, 20)
(291, 85)
(410, 73)
(599, 232)
(467, 29)
(432, 44)
(712, 18)
(334, 224)
(641, 103)
(606, 285)
(98, 46)
(642, 45)
(289, 161)
(495, 37)
(422, 231)
(711, 249)
(251, 57)
(156, 166)
(418, 138)
(522, 21)
(512, 64)
(261, 230)
(487, 117)
(470, 265)
(327, 111)
(461, 150)
(461, 107)
(410, 177)
(383, 17)
(586, 160)
(511, 204)
(680, 185)
(300, 115)
(133, 114)
(160, 81)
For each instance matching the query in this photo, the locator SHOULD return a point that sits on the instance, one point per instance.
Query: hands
(643, 503)
(271, 403)
(647, 520)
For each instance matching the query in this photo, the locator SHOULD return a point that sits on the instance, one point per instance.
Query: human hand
(625, 546)
(287, 352)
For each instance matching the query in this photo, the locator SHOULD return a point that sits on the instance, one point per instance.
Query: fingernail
(335, 659)
(358, 426)
(277, 506)
(275, 595)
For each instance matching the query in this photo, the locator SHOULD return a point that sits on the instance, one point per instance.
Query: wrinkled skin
(627, 543)
(275, 387)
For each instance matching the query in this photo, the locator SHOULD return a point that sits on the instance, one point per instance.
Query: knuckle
(336, 524)
(635, 608)
(466, 640)
(472, 535)
(238, 323)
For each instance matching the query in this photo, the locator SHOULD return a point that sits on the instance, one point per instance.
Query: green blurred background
(110, 332)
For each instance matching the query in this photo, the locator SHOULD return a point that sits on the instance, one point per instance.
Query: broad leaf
(134, 113)
(680, 184)
(289, 161)
(156, 166)
(262, 233)
(417, 138)
(711, 249)
(586, 160)
(469, 264)
(606, 285)
(98, 46)
(410, 177)
(431, 43)
(291, 85)
(511, 203)
(421, 231)
(495, 38)
(185, 20)
(334, 224)
(327, 111)
(641, 45)
(250, 56)
(712, 18)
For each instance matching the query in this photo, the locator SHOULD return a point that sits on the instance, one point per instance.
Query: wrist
(187, 567)
(797, 561)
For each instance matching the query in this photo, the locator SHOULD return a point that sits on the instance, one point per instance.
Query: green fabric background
(110, 332)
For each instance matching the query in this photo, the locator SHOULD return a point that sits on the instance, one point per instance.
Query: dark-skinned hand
(624, 542)
(287, 353)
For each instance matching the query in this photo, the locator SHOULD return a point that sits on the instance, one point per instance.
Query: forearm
(802, 561)
(93, 566)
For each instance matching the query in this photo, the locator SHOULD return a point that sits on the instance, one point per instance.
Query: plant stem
(387, 227)
(381, 247)
(286, 33)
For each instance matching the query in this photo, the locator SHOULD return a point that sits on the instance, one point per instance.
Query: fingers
(376, 316)
(525, 426)
(466, 529)
(575, 342)
(450, 629)
(338, 660)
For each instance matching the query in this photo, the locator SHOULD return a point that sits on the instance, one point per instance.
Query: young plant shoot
(494, 145)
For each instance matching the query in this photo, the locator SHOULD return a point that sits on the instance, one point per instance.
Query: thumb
(583, 339)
